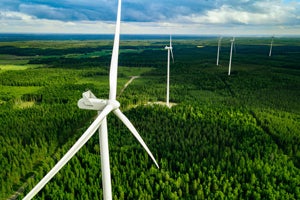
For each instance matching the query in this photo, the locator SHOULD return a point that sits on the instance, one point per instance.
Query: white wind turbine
(104, 107)
(218, 53)
(271, 46)
(170, 51)
(232, 43)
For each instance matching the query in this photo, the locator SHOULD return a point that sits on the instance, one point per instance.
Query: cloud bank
(145, 16)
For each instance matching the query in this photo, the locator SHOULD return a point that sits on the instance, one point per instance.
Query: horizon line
(155, 34)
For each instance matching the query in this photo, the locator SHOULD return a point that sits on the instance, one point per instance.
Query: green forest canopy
(231, 137)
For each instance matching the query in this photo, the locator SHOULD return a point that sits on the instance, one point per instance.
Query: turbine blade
(171, 48)
(233, 43)
(74, 149)
(172, 54)
(129, 125)
(115, 56)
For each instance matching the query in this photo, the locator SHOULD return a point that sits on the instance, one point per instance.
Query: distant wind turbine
(232, 43)
(271, 46)
(170, 51)
(218, 53)
(104, 107)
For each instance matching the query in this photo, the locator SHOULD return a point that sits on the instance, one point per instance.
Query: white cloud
(263, 13)
(187, 17)
(17, 22)
(11, 15)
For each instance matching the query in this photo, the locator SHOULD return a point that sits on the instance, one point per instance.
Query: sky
(197, 17)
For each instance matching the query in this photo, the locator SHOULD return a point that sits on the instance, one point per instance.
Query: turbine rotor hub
(114, 103)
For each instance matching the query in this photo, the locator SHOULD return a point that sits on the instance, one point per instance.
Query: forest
(225, 137)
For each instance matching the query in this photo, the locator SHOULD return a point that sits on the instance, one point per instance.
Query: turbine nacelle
(90, 102)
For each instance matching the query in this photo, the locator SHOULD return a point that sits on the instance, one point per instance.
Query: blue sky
(218, 17)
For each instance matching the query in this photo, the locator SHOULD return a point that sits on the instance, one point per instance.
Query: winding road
(128, 82)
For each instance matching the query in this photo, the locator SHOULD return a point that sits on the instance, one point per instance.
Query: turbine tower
(232, 43)
(218, 53)
(271, 46)
(104, 107)
(170, 51)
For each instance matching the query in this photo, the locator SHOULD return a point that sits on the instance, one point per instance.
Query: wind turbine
(170, 51)
(271, 46)
(218, 53)
(232, 43)
(104, 107)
